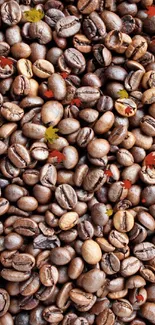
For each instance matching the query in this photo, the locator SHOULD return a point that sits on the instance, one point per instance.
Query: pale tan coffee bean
(68, 220)
(91, 252)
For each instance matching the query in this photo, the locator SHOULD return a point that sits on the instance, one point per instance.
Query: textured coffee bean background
(77, 162)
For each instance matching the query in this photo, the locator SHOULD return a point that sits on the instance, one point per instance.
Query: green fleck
(50, 134)
(123, 93)
(109, 212)
(33, 15)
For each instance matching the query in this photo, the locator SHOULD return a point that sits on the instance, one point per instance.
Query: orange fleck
(150, 11)
(76, 101)
(143, 200)
(150, 160)
(126, 184)
(60, 156)
(49, 93)
(139, 298)
(128, 110)
(108, 172)
(5, 61)
(64, 75)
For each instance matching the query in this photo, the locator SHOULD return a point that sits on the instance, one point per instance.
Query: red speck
(126, 184)
(143, 200)
(139, 298)
(150, 11)
(150, 160)
(64, 75)
(128, 110)
(5, 61)
(76, 101)
(60, 156)
(49, 93)
(108, 172)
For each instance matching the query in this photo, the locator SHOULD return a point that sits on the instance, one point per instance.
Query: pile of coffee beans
(77, 162)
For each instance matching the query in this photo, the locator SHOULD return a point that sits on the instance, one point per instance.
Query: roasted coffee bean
(68, 26)
(66, 196)
(44, 242)
(23, 262)
(144, 251)
(122, 308)
(19, 155)
(110, 263)
(26, 227)
(88, 247)
(14, 276)
(48, 275)
(11, 13)
(4, 302)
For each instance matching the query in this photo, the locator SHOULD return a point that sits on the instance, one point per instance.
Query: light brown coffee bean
(91, 252)
(68, 220)
(123, 221)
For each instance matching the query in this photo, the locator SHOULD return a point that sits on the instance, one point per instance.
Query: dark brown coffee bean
(14, 276)
(26, 227)
(30, 286)
(23, 262)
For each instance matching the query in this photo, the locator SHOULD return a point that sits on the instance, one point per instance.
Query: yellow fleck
(109, 212)
(33, 15)
(123, 93)
(50, 134)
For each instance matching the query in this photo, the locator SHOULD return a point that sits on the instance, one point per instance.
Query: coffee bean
(15, 276)
(57, 84)
(23, 262)
(88, 247)
(44, 242)
(122, 308)
(25, 226)
(48, 275)
(11, 13)
(94, 180)
(19, 155)
(66, 196)
(148, 310)
(75, 268)
(123, 221)
(77, 210)
(68, 26)
(4, 302)
(86, 7)
(42, 68)
(130, 266)
(68, 220)
(60, 256)
(144, 251)
(82, 43)
(105, 316)
(52, 314)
